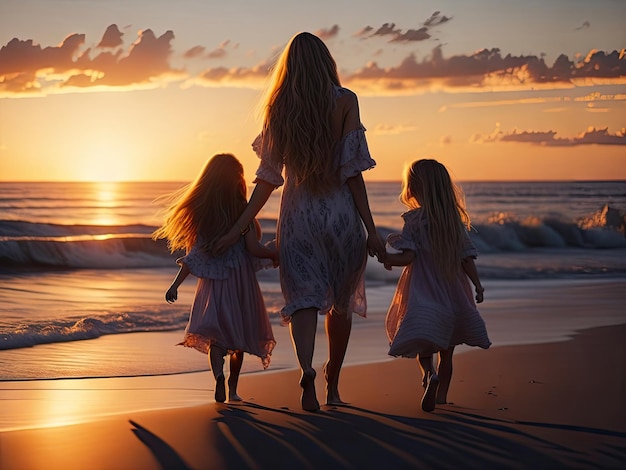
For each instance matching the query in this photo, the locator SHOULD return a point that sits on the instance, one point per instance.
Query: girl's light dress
(321, 239)
(228, 309)
(429, 314)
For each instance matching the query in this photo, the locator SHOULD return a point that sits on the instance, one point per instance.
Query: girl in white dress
(228, 314)
(433, 308)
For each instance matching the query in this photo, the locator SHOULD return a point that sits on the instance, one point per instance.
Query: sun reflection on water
(106, 200)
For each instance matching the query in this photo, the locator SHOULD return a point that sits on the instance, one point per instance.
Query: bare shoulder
(346, 95)
(347, 101)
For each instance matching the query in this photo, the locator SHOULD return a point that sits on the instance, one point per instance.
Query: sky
(133, 90)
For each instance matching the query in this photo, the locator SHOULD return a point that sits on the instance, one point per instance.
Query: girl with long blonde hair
(313, 133)
(433, 309)
(228, 314)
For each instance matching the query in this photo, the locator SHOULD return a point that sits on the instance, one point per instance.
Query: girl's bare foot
(232, 389)
(429, 398)
(220, 389)
(309, 397)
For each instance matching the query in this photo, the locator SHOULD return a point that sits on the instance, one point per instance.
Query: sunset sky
(99, 90)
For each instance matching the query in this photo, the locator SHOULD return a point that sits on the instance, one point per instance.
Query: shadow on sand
(249, 435)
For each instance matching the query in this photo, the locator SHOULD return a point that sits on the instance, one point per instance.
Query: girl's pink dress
(429, 314)
(228, 309)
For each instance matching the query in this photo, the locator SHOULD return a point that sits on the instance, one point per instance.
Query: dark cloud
(26, 67)
(365, 32)
(550, 139)
(490, 69)
(436, 19)
(585, 25)
(328, 33)
(412, 35)
(112, 38)
(219, 52)
(194, 52)
(238, 76)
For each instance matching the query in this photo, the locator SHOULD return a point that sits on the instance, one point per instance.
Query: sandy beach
(550, 404)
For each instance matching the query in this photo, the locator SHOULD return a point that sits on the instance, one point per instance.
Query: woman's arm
(260, 195)
(375, 244)
(256, 249)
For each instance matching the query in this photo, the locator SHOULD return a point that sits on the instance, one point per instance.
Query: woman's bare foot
(234, 397)
(309, 397)
(220, 389)
(332, 391)
(429, 398)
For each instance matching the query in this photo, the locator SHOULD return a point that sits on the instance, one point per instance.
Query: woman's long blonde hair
(297, 110)
(206, 208)
(427, 184)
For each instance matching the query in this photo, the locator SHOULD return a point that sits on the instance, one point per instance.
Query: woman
(312, 130)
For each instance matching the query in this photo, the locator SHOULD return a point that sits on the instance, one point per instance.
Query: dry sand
(556, 405)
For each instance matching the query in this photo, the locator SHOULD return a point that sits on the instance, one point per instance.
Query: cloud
(27, 68)
(194, 52)
(244, 77)
(585, 25)
(328, 33)
(436, 19)
(112, 38)
(394, 129)
(410, 35)
(592, 136)
(220, 51)
(489, 70)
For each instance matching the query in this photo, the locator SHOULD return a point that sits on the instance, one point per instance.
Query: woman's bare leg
(338, 328)
(216, 360)
(303, 327)
(445, 374)
(236, 361)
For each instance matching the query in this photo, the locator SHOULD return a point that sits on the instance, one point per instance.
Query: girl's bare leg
(303, 326)
(216, 360)
(427, 368)
(236, 361)
(338, 328)
(445, 374)
(430, 381)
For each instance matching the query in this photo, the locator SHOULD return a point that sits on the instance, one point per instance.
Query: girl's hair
(428, 185)
(206, 208)
(297, 110)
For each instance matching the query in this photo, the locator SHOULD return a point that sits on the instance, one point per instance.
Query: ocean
(82, 283)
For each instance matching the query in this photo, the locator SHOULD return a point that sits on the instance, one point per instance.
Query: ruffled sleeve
(268, 170)
(354, 155)
(406, 239)
(202, 264)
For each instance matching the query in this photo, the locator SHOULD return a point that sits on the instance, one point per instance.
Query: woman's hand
(376, 246)
(226, 241)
